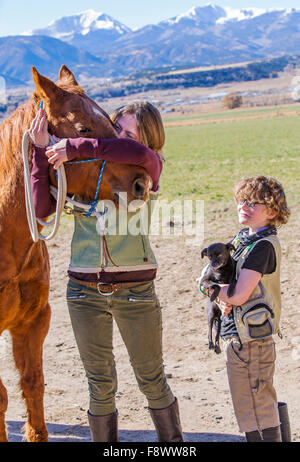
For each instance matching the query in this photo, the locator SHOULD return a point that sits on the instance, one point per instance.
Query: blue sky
(17, 16)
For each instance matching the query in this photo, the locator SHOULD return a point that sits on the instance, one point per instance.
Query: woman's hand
(38, 131)
(57, 153)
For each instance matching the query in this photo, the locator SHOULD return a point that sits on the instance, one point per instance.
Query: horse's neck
(11, 165)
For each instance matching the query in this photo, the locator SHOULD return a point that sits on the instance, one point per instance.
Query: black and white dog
(220, 270)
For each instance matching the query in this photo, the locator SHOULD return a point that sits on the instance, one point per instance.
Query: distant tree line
(162, 79)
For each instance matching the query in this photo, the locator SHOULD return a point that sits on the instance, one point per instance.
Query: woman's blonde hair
(149, 122)
(265, 190)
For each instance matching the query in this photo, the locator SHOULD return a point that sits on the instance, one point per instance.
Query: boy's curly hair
(265, 190)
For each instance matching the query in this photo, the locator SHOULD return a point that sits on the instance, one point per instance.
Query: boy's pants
(250, 375)
(137, 313)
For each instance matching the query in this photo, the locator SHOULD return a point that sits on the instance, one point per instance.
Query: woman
(127, 292)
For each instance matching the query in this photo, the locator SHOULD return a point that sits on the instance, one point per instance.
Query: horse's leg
(28, 352)
(3, 408)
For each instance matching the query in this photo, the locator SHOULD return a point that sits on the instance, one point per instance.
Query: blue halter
(93, 203)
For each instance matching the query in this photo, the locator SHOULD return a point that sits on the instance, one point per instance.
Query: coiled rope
(61, 197)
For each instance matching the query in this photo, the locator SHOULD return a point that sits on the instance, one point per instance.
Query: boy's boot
(285, 422)
(268, 434)
(104, 428)
(253, 437)
(272, 434)
(167, 423)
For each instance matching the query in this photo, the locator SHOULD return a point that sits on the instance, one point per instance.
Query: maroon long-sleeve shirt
(119, 150)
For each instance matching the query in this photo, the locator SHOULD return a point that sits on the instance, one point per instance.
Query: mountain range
(94, 44)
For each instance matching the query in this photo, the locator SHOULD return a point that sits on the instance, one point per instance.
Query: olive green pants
(137, 313)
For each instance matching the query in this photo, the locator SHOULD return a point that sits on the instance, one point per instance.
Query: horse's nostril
(139, 188)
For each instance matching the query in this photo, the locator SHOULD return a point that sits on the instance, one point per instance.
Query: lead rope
(30, 211)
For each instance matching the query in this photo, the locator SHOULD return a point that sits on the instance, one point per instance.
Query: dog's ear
(204, 253)
(230, 247)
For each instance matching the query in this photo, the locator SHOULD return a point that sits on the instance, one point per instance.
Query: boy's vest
(259, 317)
(131, 251)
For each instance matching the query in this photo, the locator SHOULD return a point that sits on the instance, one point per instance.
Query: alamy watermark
(3, 346)
(3, 94)
(296, 87)
(157, 217)
(296, 348)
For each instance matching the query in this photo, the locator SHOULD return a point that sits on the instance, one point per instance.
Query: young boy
(251, 316)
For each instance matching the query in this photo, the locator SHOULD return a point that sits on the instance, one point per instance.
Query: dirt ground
(196, 375)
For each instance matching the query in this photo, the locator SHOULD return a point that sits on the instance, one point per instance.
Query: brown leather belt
(107, 289)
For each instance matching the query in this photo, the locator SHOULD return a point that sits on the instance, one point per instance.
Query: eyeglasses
(250, 205)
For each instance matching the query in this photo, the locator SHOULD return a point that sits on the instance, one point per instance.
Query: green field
(204, 161)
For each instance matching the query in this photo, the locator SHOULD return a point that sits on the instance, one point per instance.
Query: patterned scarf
(244, 238)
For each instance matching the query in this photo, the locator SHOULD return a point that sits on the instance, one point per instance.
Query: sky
(17, 16)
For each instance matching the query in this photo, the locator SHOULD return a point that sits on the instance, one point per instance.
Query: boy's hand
(203, 290)
(226, 308)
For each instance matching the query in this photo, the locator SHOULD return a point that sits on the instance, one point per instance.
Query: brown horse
(24, 265)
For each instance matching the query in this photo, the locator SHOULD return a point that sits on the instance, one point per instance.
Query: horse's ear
(45, 88)
(66, 75)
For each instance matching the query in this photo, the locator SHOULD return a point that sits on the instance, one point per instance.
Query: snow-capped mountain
(208, 14)
(81, 24)
(213, 14)
(85, 30)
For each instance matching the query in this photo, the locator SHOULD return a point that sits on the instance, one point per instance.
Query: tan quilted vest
(259, 317)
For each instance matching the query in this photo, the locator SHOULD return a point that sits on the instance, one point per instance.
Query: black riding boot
(272, 434)
(253, 437)
(167, 423)
(104, 428)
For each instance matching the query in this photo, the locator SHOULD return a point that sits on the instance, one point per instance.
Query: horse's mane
(11, 134)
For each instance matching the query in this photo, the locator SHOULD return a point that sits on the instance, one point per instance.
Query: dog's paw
(217, 350)
(215, 292)
(211, 346)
